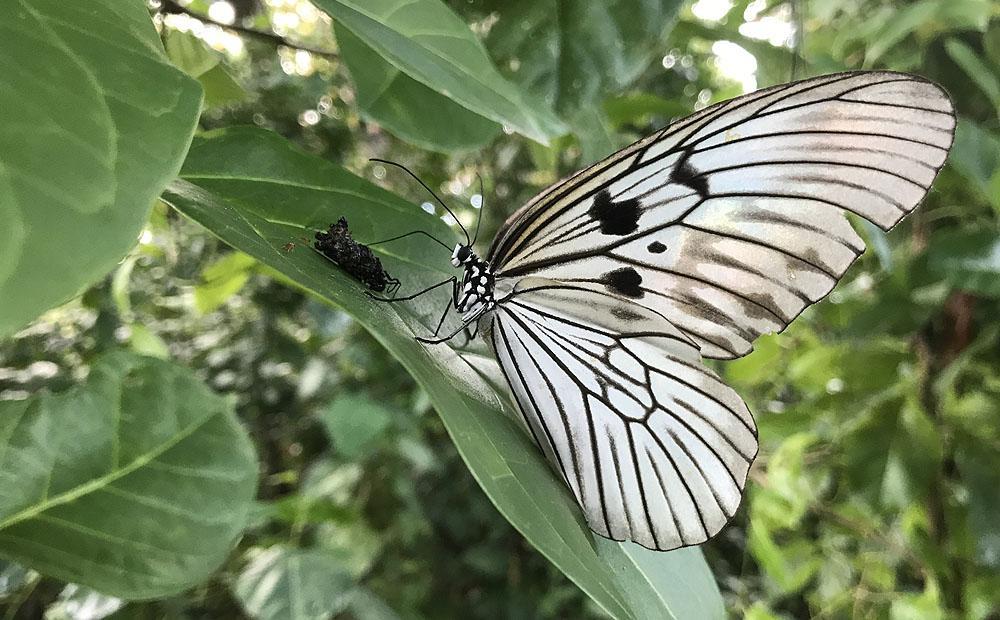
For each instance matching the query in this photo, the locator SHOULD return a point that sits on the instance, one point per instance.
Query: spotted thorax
(476, 295)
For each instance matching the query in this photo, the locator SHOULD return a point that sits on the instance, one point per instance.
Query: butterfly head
(463, 254)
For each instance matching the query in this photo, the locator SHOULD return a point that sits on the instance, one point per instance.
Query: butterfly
(602, 296)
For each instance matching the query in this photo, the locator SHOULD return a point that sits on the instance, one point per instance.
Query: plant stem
(171, 7)
(934, 355)
(21, 597)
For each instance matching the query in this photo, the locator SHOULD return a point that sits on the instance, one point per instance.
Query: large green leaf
(136, 483)
(259, 201)
(428, 42)
(575, 52)
(406, 107)
(95, 123)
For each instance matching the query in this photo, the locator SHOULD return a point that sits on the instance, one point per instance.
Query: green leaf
(293, 584)
(366, 606)
(965, 14)
(641, 108)
(968, 260)
(572, 53)
(974, 67)
(791, 486)
(977, 464)
(991, 43)
(79, 170)
(789, 565)
(893, 453)
(220, 87)
(189, 53)
(353, 542)
(905, 21)
(994, 190)
(257, 200)
(352, 422)
(681, 580)
(760, 611)
(221, 280)
(926, 606)
(145, 341)
(976, 156)
(596, 139)
(763, 363)
(136, 483)
(428, 42)
(406, 107)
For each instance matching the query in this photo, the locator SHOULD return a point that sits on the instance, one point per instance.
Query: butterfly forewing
(613, 284)
(732, 221)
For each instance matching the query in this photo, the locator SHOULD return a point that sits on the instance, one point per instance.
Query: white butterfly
(601, 296)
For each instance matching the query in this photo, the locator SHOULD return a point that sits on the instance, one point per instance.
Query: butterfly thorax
(476, 293)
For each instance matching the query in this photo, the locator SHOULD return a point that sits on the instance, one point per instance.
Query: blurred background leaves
(879, 410)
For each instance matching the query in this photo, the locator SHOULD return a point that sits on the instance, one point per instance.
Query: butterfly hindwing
(655, 448)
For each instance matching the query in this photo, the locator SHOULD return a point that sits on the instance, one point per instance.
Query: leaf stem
(22, 597)
(934, 355)
(171, 7)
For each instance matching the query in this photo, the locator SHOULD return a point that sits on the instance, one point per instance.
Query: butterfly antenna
(482, 206)
(436, 197)
(415, 232)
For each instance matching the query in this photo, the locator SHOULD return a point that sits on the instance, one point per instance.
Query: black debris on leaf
(355, 258)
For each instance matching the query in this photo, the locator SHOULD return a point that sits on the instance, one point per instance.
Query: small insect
(602, 295)
(355, 258)
(291, 245)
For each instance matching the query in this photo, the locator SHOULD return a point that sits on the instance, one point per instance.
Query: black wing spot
(686, 174)
(656, 247)
(616, 218)
(625, 281)
(623, 313)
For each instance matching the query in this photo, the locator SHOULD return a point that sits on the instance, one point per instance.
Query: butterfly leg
(453, 304)
(453, 280)
(443, 315)
(461, 328)
(469, 335)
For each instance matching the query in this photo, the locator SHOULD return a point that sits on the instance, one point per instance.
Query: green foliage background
(206, 431)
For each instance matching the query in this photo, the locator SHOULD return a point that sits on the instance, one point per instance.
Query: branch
(933, 356)
(173, 8)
